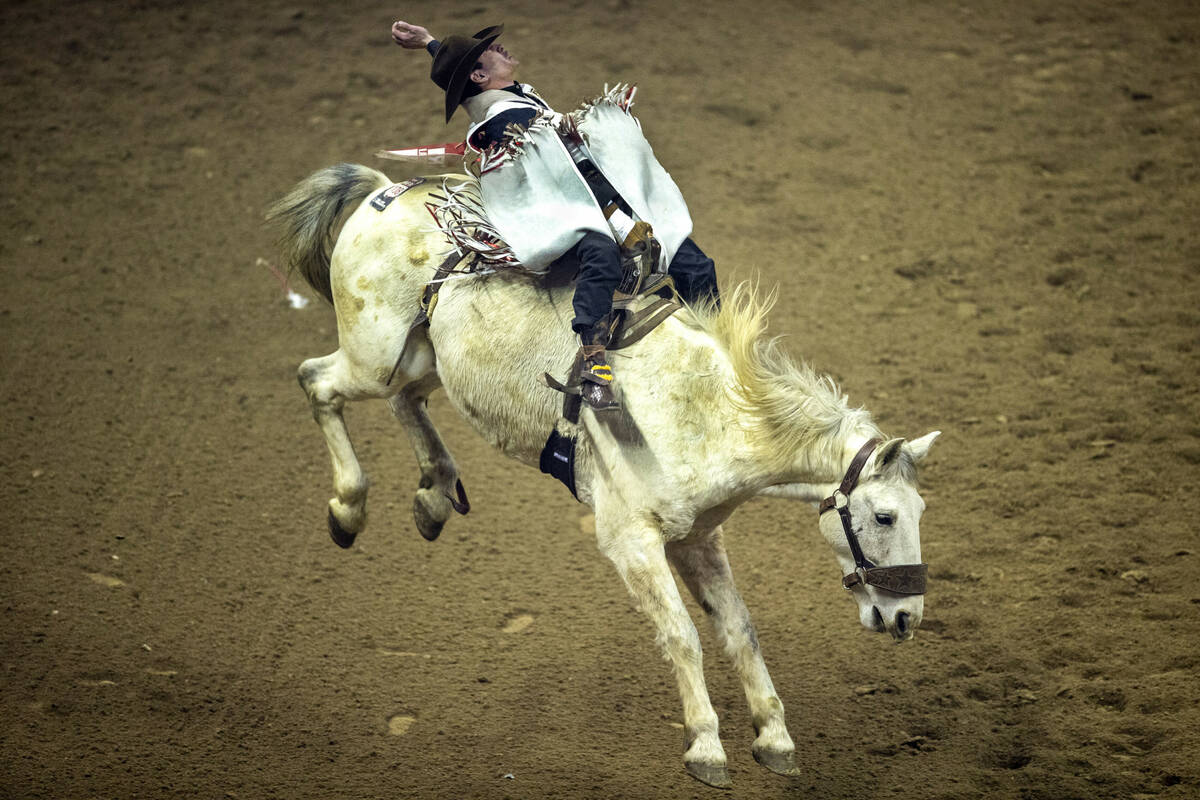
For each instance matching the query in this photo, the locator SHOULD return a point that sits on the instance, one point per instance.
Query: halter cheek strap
(899, 579)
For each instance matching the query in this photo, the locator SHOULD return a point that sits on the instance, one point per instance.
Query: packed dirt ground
(979, 219)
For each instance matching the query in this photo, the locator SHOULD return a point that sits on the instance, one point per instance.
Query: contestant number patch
(381, 200)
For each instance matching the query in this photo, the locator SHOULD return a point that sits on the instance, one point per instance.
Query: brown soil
(980, 219)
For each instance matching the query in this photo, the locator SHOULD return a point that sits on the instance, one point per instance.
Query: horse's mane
(793, 408)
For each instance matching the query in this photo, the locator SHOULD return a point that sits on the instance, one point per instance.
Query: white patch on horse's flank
(399, 724)
(105, 580)
(517, 623)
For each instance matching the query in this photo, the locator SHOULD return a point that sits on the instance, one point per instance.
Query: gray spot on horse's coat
(751, 634)
(707, 606)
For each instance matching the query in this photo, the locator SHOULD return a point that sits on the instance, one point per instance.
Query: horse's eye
(884, 519)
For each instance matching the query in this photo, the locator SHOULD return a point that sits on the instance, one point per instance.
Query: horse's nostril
(902, 623)
(879, 626)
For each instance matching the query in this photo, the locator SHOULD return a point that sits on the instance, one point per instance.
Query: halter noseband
(899, 579)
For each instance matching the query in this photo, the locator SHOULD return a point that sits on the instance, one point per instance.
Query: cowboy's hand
(410, 37)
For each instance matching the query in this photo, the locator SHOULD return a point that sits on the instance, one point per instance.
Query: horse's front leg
(701, 562)
(440, 491)
(635, 547)
(329, 382)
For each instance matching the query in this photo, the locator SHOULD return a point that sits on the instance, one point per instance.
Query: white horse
(712, 414)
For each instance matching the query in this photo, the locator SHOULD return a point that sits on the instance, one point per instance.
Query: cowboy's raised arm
(410, 37)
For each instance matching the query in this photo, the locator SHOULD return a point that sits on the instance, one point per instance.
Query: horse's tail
(311, 212)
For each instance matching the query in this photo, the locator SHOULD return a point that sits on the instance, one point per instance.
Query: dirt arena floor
(980, 218)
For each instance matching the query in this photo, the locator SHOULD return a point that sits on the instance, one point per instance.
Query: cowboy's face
(495, 64)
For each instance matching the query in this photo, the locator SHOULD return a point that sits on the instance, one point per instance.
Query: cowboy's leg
(704, 568)
(599, 275)
(694, 273)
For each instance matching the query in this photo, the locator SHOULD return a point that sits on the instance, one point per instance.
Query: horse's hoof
(715, 775)
(429, 525)
(779, 763)
(341, 537)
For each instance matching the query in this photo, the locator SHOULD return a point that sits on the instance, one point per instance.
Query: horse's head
(875, 534)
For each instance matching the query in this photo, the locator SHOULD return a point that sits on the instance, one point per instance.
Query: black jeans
(694, 273)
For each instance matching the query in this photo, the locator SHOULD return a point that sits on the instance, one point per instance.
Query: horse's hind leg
(701, 562)
(329, 382)
(440, 491)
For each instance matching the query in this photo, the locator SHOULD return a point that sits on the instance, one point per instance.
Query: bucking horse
(712, 413)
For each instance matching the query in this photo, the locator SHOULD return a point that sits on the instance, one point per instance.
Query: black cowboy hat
(455, 60)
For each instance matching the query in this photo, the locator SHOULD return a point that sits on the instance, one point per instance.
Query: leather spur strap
(630, 328)
(900, 579)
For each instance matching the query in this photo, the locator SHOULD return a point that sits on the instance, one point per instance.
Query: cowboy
(478, 73)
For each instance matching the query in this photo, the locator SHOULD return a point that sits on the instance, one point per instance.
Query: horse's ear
(919, 448)
(888, 451)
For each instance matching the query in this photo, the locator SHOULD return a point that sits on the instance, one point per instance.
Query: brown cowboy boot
(595, 375)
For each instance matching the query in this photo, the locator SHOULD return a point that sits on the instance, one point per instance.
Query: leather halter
(899, 579)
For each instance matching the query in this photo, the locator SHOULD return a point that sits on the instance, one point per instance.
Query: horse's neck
(744, 436)
(818, 472)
